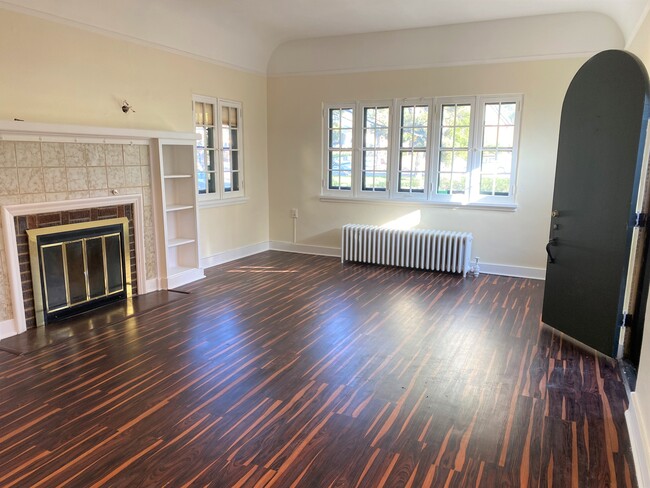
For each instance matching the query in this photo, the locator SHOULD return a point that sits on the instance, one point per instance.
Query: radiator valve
(475, 269)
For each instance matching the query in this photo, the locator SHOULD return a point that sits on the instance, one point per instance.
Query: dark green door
(600, 150)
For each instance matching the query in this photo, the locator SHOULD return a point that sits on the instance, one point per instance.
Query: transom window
(219, 156)
(461, 150)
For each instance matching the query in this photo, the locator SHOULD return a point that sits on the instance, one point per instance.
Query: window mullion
(475, 152)
(432, 169)
(357, 155)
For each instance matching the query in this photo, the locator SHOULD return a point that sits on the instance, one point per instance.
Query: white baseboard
(151, 285)
(639, 441)
(487, 268)
(183, 278)
(305, 249)
(232, 254)
(514, 271)
(7, 328)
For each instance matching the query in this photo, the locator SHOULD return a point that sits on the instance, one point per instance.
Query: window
(375, 147)
(413, 149)
(206, 176)
(461, 150)
(219, 156)
(497, 147)
(230, 148)
(340, 139)
(453, 162)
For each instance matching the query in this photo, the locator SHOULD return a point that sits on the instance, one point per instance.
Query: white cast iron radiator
(435, 250)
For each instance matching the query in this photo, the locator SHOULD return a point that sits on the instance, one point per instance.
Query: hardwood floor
(285, 370)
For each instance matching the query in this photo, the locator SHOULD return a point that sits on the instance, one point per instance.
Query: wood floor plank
(283, 370)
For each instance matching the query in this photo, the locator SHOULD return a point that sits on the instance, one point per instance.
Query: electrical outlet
(294, 213)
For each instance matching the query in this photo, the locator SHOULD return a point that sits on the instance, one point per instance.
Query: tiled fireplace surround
(83, 179)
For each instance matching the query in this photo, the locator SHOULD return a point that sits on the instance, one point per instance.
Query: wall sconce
(126, 108)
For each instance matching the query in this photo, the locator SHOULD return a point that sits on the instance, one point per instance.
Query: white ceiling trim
(521, 59)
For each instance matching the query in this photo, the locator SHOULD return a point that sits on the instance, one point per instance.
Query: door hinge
(640, 219)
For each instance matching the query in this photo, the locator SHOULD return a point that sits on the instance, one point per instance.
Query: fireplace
(78, 266)
(18, 219)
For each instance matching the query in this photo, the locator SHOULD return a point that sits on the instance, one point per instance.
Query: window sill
(222, 202)
(502, 207)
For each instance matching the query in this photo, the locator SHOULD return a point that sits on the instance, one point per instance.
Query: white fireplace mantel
(35, 131)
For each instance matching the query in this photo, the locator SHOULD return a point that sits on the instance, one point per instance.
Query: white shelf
(179, 241)
(176, 208)
(170, 177)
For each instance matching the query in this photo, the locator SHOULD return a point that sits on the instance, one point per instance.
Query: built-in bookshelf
(177, 184)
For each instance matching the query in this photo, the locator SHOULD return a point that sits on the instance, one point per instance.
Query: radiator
(435, 250)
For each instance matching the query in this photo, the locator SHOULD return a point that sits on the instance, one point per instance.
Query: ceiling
(295, 19)
(244, 33)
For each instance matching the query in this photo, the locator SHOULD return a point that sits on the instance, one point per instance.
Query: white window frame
(202, 197)
(476, 196)
(325, 189)
(433, 187)
(397, 125)
(220, 196)
(472, 197)
(240, 150)
(357, 180)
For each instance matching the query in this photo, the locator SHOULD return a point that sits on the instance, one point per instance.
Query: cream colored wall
(508, 238)
(640, 45)
(60, 74)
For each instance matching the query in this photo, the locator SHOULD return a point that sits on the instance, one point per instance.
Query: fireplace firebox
(76, 267)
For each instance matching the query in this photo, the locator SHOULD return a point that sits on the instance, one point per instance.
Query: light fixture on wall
(126, 108)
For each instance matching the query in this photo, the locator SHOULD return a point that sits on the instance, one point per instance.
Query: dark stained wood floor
(285, 370)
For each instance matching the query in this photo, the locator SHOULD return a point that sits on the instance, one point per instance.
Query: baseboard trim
(514, 271)
(7, 328)
(182, 278)
(486, 268)
(232, 254)
(151, 285)
(305, 249)
(639, 442)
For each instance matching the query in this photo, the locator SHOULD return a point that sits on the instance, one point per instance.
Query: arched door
(600, 150)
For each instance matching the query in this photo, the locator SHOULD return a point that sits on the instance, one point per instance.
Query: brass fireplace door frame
(37, 264)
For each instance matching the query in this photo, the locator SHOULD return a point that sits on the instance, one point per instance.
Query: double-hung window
(230, 145)
(498, 132)
(453, 160)
(219, 155)
(206, 157)
(375, 146)
(446, 150)
(339, 148)
(410, 171)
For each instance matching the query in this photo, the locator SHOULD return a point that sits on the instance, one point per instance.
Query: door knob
(555, 213)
